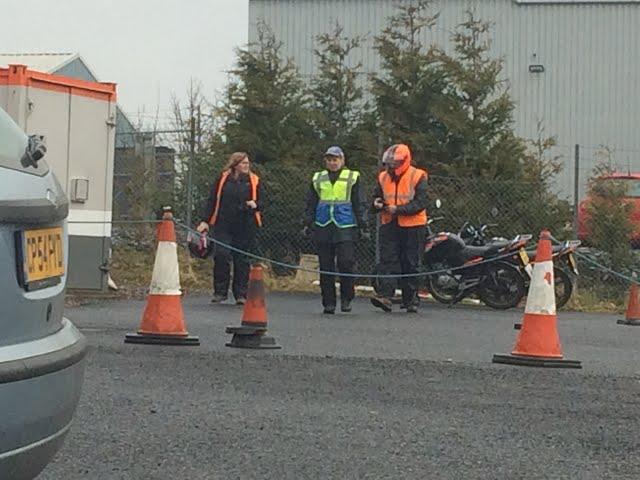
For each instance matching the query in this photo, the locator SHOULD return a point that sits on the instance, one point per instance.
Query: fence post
(377, 237)
(576, 187)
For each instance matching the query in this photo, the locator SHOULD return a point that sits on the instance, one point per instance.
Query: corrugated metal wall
(588, 94)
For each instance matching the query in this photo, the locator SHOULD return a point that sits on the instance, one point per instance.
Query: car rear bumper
(40, 385)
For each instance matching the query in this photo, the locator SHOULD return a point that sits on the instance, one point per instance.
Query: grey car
(41, 352)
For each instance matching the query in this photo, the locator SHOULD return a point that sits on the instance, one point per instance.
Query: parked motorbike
(488, 270)
(496, 281)
(565, 267)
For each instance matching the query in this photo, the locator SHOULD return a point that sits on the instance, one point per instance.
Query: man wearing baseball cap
(333, 214)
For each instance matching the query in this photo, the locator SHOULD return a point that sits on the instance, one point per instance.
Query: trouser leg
(389, 258)
(222, 264)
(241, 264)
(326, 257)
(345, 254)
(412, 245)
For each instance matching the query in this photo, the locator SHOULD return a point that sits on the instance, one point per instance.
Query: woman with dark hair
(233, 214)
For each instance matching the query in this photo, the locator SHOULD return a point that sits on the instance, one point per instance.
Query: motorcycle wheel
(442, 287)
(563, 286)
(503, 288)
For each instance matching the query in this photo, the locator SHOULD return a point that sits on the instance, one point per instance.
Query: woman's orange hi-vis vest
(253, 180)
(401, 193)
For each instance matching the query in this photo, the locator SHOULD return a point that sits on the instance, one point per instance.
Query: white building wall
(50, 117)
(587, 94)
(91, 151)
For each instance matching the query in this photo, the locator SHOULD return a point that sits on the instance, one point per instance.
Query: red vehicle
(633, 196)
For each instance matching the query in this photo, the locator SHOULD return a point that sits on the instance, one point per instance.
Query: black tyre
(504, 286)
(443, 287)
(563, 285)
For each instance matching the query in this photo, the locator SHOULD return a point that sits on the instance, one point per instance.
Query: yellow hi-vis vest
(334, 199)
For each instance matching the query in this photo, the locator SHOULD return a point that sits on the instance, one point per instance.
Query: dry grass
(131, 269)
(587, 301)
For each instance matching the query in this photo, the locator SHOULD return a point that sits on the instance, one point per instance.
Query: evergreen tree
(410, 89)
(266, 106)
(342, 116)
(479, 112)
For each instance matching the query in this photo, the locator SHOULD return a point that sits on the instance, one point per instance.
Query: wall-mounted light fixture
(535, 66)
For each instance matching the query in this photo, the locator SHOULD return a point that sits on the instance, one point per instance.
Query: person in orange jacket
(233, 213)
(400, 198)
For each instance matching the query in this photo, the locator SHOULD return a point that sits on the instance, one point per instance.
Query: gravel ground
(387, 407)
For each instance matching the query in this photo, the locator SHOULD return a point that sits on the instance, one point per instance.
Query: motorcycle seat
(499, 243)
(487, 251)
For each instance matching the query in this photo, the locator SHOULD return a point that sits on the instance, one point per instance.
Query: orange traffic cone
(163, 318)
(252, 332)
(538, 342)
(632, 317)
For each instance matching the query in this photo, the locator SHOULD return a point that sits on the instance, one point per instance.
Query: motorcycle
(565, 267)
(488, 270)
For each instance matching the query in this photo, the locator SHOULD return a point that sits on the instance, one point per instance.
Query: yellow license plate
(523, 256)
(42, 254)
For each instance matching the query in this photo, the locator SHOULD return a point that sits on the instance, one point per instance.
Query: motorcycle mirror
(438, 203)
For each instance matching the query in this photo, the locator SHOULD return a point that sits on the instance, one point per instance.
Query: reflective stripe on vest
(334, 199)
(254, 180)
(402, 193)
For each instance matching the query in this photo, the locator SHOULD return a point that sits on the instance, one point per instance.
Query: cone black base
(526, 361)
(153, 339)
(251, 337)
(635, 323)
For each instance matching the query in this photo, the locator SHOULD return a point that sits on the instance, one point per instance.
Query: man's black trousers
(401, 253)
(328, 253)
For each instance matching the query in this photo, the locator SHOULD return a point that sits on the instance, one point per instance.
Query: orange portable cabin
(77, 119)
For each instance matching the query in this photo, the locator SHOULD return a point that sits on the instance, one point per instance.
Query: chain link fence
(606, 259)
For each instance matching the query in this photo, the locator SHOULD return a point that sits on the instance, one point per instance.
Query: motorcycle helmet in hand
(199, 245)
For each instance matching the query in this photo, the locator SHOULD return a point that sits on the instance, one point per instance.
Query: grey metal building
(573, 65)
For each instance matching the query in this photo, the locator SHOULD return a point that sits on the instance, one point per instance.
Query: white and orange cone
(538, 342)
(163, 318)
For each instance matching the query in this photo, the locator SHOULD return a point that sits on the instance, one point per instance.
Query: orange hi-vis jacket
(401, 193)
(254, 180)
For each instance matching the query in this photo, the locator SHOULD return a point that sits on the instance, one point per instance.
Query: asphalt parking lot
(361, 395)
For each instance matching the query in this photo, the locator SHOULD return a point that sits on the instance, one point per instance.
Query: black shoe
(241, 301)
(383, 303)
(412, 309)
(329, 310)
(218, 298)
(345, 305)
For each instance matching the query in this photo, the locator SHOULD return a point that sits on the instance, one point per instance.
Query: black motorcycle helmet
(199, 245)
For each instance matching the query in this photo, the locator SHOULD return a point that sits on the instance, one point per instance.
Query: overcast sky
(150, 48)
